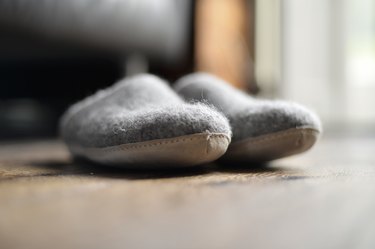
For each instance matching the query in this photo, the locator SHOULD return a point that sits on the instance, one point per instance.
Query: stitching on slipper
(160, 143)
(277, 136)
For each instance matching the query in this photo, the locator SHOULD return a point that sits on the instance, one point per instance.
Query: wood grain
(322, 199)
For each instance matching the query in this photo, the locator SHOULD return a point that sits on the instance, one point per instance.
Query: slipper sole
(272, 146)
(183, 151)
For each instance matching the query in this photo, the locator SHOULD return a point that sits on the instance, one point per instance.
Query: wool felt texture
(137, 109)
(248, 116)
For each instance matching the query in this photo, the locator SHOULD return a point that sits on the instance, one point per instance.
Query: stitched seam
(276, 136)
(156, 144)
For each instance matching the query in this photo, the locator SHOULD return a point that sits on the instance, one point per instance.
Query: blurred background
(320, 53)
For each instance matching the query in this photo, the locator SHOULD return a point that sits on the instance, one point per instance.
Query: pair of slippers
(142, 122)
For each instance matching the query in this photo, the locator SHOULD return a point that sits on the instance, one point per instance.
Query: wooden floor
(322, 199)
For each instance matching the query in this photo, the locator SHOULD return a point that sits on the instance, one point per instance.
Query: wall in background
(320, 53)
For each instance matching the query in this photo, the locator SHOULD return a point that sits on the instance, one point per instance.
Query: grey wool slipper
(263, 130)
(141, 122)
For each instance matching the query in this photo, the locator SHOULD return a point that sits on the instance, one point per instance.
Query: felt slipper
(142, 122)
(263, 130)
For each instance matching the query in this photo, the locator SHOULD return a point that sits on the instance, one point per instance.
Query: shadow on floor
(79, 167)
(84, 168)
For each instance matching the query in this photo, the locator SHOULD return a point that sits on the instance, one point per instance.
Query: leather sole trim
(272, 146)
(176, 152)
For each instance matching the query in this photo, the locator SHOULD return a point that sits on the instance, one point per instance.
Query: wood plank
(224, 42)
(323, 199)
